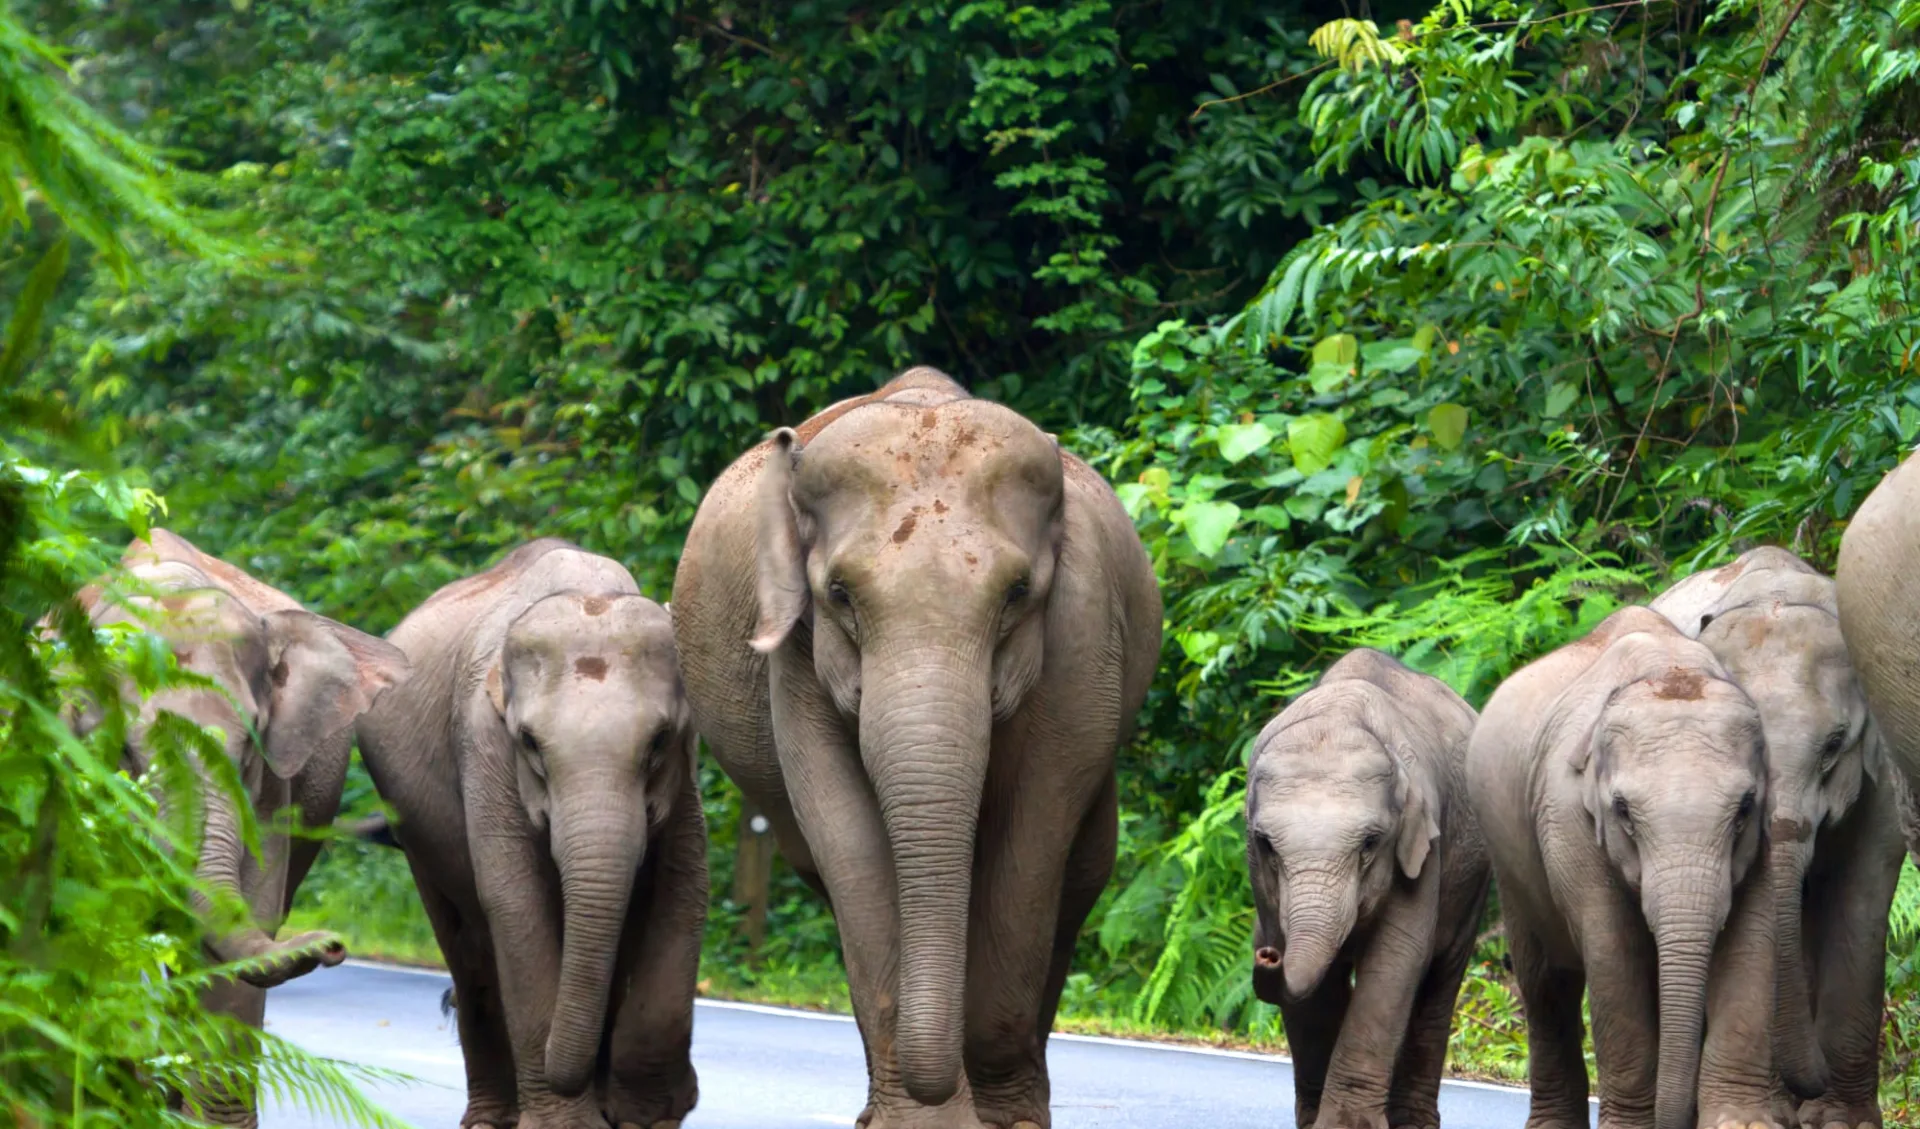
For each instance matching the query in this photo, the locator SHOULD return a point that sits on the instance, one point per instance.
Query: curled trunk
(598, 853)
(218, 869)
(924, 732)
(1796, 1050)
(1321, 906)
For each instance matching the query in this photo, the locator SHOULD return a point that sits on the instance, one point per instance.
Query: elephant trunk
(1683, 932)
(1321, 906)
(598, 852)
(1796, 1051)
(925, 723)
(218, 869)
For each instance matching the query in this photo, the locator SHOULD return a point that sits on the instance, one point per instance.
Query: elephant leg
(1089, 866)
(1414, 1101)
(838, 815)
(1622, 979)
(1736, 1061)
(1020, 878)
(492, 1099)
(1313, 1027)
(519, 895)
(1550, 998)
(222, 1104)
(1847, 926)
(1394, 958)
(651, 1082)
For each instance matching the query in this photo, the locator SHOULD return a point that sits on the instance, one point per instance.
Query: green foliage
(101, 966)
(1447, 338)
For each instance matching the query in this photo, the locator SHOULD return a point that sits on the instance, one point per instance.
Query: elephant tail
(448, 1005)
(375, 829)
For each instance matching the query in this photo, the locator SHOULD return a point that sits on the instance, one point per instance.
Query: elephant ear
(1874, 759)
(780, 559)
(1419, 814)
(323, 675)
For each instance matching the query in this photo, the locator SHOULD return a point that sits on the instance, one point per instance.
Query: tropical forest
(1446, 329)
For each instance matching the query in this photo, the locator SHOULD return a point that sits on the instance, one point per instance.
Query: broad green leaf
(1559, 398)
(1199, 645)
(1209, 524)
(1238, 440)
(1312, 440)
(1395, 355)
(1340, 349)
(1448, 422)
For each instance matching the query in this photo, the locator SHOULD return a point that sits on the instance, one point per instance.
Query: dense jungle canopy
(1444, 329)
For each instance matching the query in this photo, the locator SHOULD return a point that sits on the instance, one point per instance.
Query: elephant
(915, 633)
(297, 680)
(1369, 881)
(544, 791)
(1621, 784)
(1836, 833)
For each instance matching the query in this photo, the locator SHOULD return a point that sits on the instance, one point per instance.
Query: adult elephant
(1835, 833)
(915, 632)
(541, 771)
(290, 685)
(1621, 784)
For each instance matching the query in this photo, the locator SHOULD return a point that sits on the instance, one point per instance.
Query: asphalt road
(767, 1068)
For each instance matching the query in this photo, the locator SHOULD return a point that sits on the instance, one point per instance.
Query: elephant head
(1672, 774)
(910, 550)
(584, 697)
(1787, 653)
(1338, 810)
(289, 684)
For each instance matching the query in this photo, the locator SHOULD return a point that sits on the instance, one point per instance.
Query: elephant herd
(915, 633)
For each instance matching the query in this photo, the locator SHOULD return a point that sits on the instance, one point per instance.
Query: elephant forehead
(967, 446)
(1681, 724)
(1325, 752)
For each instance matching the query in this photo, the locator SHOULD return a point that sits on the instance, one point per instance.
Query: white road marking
(1105, 1040)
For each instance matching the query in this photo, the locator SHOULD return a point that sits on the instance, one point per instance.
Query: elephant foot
(926, 1117)
(489, 1113)
(563, 1114)
(1748, 1119)
(1825, 1113)
(1337, 1115)
(635, 1107)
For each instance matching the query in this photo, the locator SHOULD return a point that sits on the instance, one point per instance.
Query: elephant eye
(659, 741)
(837, 592)
(530, 742)
(1018, 591)
(1746, 806)
(1621, 810)
(1831, 749)
(1370, 841)
(1261, 841)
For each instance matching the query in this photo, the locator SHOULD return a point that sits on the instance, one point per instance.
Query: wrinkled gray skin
(541, 774)
(297, 679)
(1879, 596)
(1621, 784)
(915, 633)
(1835, 831)
(1369, 878)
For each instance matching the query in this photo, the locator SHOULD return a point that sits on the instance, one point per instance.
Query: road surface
(768, 1068)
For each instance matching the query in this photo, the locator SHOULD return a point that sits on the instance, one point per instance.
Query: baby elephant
(1836, 836)
(1621, 782)
(542, 777)
(1369, 877)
